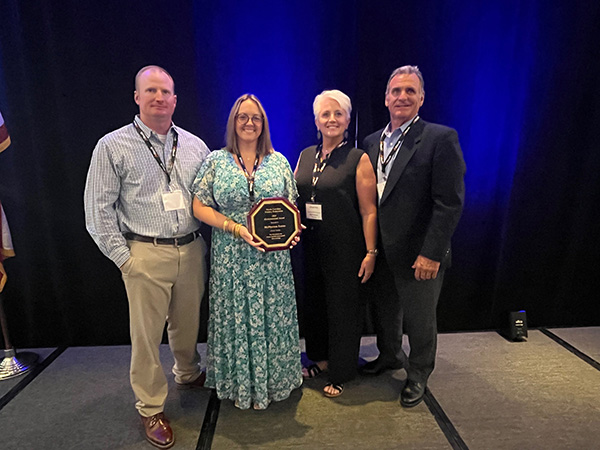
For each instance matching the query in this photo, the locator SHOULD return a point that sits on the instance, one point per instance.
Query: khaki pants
(164, 284)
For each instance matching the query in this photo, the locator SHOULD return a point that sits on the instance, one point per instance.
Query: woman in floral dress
(253, 342)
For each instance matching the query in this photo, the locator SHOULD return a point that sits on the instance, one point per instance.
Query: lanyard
(319, 167)
(249, 176)
(155, 154)
(396, 146)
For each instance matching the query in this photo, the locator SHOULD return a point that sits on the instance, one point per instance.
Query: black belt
(176, 242)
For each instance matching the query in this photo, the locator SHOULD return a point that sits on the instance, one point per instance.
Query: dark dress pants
(405, 305)
(333, 311)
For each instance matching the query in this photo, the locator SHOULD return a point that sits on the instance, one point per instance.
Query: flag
(4, 137)
(6, 247)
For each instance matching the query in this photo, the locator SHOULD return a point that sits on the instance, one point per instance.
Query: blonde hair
(152, 68)
(334, 94)
(264, 145)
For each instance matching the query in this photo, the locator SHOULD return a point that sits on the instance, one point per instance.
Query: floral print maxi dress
(253, 341)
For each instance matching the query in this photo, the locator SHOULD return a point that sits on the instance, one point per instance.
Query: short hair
(334, 94)
(152, 68)
(406, 70)
(264, 145)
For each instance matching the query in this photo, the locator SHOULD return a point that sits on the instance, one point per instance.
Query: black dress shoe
(412, 394)
(377, 367)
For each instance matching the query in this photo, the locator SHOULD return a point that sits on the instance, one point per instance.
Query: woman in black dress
(337, 189)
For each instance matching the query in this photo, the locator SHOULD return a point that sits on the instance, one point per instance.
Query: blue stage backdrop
(518, 80)
(283, 52)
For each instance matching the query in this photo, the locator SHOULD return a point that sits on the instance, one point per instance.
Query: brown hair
(263, 146)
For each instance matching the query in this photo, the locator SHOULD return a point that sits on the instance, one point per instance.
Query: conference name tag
(173, 200)
(380, 188)
(314, 211)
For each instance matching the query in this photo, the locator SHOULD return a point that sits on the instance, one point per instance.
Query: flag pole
(10, 366)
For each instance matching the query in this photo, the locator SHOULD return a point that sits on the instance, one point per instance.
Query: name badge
(380, 188)
(314, 211)
(173, 200)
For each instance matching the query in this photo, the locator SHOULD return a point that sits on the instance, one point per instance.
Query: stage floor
(486, 393)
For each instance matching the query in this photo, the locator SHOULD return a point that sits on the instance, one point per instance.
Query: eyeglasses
(243, 119)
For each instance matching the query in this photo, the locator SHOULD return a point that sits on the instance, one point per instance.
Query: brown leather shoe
(198, 383)
(158, 431)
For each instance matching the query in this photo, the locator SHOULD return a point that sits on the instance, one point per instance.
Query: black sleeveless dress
(333, 251)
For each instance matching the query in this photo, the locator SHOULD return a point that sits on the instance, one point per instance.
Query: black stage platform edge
(29, 377)
(444, 422)
(209, 425)
(591, 361)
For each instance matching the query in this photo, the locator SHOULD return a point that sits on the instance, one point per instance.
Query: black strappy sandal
(339, 387)
(313, 370)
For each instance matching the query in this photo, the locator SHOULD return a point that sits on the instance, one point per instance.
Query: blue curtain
(518, 80)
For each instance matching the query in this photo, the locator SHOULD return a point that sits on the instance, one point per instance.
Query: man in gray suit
(420, 184)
